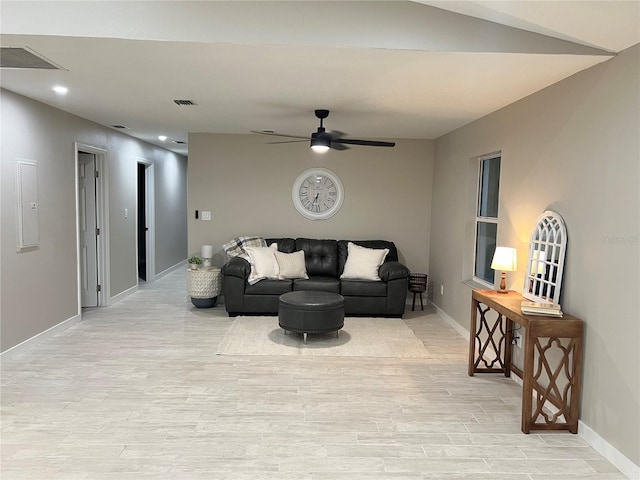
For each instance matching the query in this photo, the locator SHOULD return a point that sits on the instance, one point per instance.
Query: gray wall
(39, 288)
(572, 148)
(247, 186)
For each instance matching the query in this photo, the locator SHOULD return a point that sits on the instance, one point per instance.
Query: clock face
(317, 193)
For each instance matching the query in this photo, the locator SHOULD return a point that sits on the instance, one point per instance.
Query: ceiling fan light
(320, 144)
(319, 148)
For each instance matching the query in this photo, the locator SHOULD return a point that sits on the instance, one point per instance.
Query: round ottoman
(311, 312)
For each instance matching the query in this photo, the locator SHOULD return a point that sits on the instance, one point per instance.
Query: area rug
(360, 337)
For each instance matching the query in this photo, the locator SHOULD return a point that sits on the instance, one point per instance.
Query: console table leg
(527, 384)
(507, 348)
(472, 339)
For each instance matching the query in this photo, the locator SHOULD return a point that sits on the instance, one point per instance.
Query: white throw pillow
(363, 263)
(291, 265)
(263, 263)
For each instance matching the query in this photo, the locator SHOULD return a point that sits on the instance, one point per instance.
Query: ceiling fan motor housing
(321, 138)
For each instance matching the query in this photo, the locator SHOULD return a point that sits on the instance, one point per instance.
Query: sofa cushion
(286, 245)
(363, 288)
(363, 263)
(324, 284)
(291, 265)
(343, 250)
(321, 256)
(269, 287)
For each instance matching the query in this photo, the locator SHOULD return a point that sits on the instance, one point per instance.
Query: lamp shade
(505, 259)
(207, 251)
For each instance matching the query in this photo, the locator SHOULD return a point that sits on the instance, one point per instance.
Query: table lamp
(206, 254)
(504, 259)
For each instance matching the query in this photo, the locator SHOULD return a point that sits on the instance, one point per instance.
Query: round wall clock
(317, 193)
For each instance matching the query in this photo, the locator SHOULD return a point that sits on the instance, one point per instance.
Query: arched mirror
(545, 265)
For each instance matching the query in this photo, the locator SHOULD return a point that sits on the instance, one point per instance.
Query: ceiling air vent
(184, 103)
(23, 57)
(179, 142)
(120, 127)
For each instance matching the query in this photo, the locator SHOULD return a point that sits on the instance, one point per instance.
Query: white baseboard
(452, 323)
(30, 342)
(122, 295)
(178, 265)
(590, 436)
(608, 451)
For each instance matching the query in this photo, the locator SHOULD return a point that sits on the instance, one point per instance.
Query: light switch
(126, 213)
(206, 215)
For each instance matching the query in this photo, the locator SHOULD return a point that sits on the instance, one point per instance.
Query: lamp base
(206, 263)
(503, 283)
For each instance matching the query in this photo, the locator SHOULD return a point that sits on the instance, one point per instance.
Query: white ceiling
(385, 69)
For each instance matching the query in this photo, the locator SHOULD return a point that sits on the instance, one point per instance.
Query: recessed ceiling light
(60, 90)
(162, 138)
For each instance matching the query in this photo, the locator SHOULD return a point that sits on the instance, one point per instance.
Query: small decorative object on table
(538, 308)
(194, 262)
(206, 254)
(417, 285)
(203, 286)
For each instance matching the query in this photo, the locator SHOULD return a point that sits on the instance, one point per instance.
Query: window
(486, 217)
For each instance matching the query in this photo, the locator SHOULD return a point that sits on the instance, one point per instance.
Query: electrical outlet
(441, 289)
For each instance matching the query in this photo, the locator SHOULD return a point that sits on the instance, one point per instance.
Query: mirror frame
(545, 264)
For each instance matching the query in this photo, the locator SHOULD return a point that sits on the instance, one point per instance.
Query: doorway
(145, 222)
(88, 231)
(142, 224)
(91, 227)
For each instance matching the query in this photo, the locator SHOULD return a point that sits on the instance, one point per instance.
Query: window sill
(476, 285)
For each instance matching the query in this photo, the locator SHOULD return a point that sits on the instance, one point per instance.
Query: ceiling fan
(323, 140)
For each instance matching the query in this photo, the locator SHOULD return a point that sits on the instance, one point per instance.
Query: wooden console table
(552, 358)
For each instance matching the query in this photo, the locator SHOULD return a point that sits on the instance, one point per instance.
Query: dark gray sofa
(324, 260)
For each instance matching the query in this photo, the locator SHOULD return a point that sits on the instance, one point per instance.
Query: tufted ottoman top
(311, 300)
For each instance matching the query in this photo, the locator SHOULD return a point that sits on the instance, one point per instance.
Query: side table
(203, 286)
(417, 285)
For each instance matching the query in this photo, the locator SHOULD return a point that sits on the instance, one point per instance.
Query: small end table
(203, 286)
(417, 285)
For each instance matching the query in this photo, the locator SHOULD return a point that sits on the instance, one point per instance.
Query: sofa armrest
(237, 267)
(392, 271)
(234, 281)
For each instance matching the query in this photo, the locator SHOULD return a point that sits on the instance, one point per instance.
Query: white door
(88, 229)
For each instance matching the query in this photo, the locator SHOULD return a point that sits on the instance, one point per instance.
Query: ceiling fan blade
(338, 146)
(366, 143)
(269, 134)
(335, 134)
(288, 141)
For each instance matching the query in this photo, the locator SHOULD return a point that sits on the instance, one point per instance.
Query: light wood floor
(135, 391)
